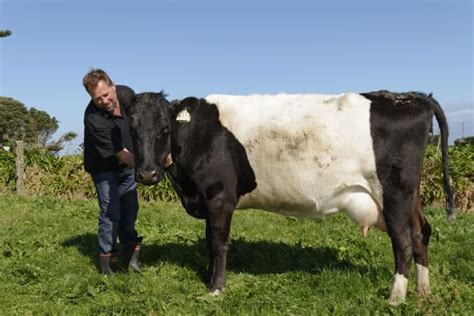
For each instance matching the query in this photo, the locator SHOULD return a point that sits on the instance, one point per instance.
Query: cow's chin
(148, 182)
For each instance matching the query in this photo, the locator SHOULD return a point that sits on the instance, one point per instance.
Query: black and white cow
(302, 155)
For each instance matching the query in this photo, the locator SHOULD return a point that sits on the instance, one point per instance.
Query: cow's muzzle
(146, 176)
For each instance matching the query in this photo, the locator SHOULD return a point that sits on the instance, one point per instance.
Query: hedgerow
(64, 176)
(461, 172)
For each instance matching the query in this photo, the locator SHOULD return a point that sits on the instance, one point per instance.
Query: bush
(49, 175)
(7, 171)
(65, 177)
(461, 171)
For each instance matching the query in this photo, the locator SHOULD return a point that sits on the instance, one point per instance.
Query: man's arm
(125, 157)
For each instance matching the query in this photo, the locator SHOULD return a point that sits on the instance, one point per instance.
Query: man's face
(104, 96)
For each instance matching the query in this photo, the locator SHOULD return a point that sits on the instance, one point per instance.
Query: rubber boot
(114, 261)
(131, 253)
(107, 263)
(134, 262)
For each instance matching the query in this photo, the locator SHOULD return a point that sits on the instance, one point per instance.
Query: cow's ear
(178, 106)
(175, 103)
(174, 107)
(190, 104)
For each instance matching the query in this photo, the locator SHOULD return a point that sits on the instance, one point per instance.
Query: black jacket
(106, 134)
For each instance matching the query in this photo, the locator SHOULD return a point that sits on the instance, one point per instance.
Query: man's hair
(92, 78)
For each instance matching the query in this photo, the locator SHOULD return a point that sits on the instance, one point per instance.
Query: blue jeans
(118, 202)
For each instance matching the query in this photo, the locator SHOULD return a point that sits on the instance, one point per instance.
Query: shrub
(64, 176)
(7, 171)
(57, 176)
(49, 175)
(461, 171)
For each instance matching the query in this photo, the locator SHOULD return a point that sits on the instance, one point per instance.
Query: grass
(276, 266)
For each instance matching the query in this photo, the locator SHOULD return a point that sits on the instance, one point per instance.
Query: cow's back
(311, 154)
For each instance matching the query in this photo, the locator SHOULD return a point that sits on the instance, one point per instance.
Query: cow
(306, 155)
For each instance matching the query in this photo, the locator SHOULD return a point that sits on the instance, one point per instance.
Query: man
(108, 157)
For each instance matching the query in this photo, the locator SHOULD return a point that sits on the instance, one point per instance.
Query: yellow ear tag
(183, 116)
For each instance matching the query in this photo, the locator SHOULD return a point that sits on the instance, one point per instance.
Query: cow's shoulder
(206, 146)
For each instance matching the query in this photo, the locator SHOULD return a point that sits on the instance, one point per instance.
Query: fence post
(20, 173)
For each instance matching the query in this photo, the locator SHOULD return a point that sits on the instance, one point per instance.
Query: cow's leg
(397, 217)
(421, 231)
(210, 268)
(217, 234)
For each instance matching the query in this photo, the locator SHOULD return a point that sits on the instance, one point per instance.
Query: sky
(196, 48)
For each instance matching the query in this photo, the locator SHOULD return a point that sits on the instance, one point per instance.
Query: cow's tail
(443, 126)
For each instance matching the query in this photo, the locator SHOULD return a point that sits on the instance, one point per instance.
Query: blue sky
(237, 47)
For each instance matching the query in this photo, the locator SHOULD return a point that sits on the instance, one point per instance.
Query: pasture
(276, 265)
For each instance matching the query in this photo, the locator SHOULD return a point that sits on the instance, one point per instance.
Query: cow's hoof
(399, 290)
(423, 291)
(395, 301)
(214, 293)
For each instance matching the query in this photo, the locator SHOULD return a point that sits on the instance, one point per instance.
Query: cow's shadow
(253, 257)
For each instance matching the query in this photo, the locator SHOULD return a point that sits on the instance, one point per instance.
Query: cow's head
(150, 129)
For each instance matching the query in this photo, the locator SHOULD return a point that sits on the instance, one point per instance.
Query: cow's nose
(146, 177)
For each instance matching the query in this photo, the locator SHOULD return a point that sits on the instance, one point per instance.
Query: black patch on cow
(399, 126)
(204, 142)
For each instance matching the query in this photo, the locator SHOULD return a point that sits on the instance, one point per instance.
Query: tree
(42, 126)
(5, 33)
(58, 145)
(33, 126)
(12, 121)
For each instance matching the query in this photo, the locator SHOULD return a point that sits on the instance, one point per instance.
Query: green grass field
(276, 266)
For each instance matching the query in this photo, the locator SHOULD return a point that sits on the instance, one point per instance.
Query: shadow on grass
(86, 244)
(261, 257)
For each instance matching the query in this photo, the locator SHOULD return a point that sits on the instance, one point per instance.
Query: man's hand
(169, 160)
(126, 157)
